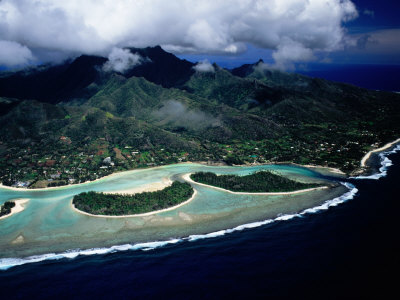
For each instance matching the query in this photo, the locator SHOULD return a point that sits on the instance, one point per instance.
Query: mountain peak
(162, 67)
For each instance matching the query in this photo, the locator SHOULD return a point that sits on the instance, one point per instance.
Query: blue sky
(286, 34)
(377, 29)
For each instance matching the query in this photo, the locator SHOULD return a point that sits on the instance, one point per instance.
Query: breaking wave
(6, 263)
(385, 164)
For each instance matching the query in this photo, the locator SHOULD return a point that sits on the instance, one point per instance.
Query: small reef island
(6, 208)
(259, 182)
(177, 194)
(9, 208)
(83, 151)
(120, 205)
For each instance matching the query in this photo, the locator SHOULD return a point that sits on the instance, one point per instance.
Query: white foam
(6, 263)
(385, 164)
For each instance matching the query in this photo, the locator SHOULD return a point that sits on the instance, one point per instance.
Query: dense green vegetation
(116, 205)
(6, 208)
(164, 112)
(258, 182)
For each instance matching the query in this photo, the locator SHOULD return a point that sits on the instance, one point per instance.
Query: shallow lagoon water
(49, 224)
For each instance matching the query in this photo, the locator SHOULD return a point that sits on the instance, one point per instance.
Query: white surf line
(385, 164)
(6, 263)
(19, 206)
(367, 156)
(187, 178)
(137, 215)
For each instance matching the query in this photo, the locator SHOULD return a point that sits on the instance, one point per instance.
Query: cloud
(14, 54)
(204, 66)
(369, 13)
(374, 47)
(380, 41)
(183, 26)
(120, 60)
(178, 114)
(289, 52)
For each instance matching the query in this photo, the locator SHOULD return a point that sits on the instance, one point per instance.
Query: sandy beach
(151, 187)
(59, 187)
(137, 215)
(329, 169)
(91, 181)
(19, 206)
(188, 179)
(154, 188)
(367, 156)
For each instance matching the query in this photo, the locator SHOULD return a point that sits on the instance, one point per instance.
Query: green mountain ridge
(258, 115)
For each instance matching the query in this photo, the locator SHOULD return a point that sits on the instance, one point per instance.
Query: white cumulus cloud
(204, 66)
(14, 54)
(121, 60)
(183, 26)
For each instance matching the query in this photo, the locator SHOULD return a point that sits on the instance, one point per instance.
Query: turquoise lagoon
(50, 225)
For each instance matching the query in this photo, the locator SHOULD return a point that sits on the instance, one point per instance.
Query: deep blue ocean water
(375, 77)
(348, 251)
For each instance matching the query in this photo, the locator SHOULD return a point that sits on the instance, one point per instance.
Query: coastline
(328, 169)
(19, 206)
(137, 231)
(187, 178)
(158, 230)
(205, 163)
(89, 181)
(136, 215)
(368, 155)
(151, 187)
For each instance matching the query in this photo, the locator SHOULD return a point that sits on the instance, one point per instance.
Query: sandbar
(151, 187)
(187, 178)
(19, 206)
(329, 169)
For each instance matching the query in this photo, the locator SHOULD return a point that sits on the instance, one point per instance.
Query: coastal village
(38, 167)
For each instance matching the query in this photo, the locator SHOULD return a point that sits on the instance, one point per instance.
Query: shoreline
(204, 163)
(12, 188)
(328, 169)
(19, 206)
(187, 178)
(154, 237)
(368, 155)
(150, 187)
(136, 215)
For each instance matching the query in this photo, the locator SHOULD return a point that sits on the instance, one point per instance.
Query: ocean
(375, 77)
(347, 251)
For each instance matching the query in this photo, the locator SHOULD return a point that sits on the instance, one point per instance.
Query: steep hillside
(161, 67)
(53, 84)
(163, 111)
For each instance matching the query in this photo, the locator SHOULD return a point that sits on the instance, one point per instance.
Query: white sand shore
(138, 215)
(59, 187)
(151, 187)
(367, 156)
(188, 179)
(19, 206)
(86, 182)
(332, 170)
(146, 188)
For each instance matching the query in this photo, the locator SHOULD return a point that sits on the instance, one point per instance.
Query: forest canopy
(117, 205)
(258, 182)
